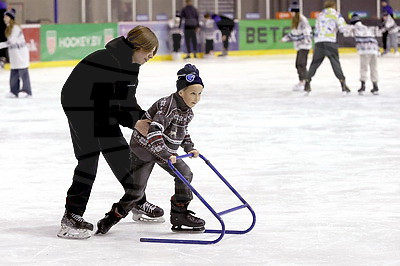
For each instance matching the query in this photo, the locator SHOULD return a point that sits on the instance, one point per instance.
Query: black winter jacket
(225, 24)
(105, 82)
(191, 17)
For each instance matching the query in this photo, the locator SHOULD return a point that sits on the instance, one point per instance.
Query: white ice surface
(321, 172)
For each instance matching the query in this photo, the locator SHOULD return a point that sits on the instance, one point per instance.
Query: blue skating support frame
(218, 215)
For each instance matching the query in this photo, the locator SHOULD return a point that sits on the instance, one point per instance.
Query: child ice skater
(209, 34)
(176, 34)
(301, 36)
(19, 58)
(390, 26)
(368, 49)
(158, 142)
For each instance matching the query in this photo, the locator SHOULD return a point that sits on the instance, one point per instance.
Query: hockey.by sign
(74, 41)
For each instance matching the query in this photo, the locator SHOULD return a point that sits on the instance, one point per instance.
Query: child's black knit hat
(187, 76)
(354, 18)
(10, 13)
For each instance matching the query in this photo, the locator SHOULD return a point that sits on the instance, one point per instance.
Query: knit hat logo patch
(190, 77)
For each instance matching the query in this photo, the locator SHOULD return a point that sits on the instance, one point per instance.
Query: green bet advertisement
(265, 34)
(74, 41)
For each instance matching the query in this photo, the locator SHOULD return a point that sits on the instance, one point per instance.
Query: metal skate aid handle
(218, 215)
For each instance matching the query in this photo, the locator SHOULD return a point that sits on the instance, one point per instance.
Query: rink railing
(218, 215)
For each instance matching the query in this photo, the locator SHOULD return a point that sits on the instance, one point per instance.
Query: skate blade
(139, 217)
(306, 93)
(100, 232)
(194, 230)
(345, 93)
(73, 233)
(375, 93)
(361, 93)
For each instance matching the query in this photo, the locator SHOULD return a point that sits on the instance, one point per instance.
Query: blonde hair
(142, 38)
(9, 28)
(295, 20)
(330, 4)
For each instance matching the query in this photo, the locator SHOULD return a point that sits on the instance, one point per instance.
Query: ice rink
(321, 172)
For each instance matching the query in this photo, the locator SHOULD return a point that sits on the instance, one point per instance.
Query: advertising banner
(74, 41)
(265, 34)
(32, 39)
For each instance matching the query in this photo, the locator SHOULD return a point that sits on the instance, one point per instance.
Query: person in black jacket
(3, 38)
(98, 97)
(190, 16)
(225, 25)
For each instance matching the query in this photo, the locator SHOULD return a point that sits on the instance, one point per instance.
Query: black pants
(18, 75)
(209, 46)
(141, 170)
(322, 50)
(301, 63)
(190, 37)
(384, 40)
(87, 149)
(226, 34)
(176, 42)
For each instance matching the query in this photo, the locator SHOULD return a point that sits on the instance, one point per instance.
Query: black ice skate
(362, 89)
(375, 88)
(147, 212)
(345, 89)
(181, 216)
(73, 226)
(307, 88)
(112, 217)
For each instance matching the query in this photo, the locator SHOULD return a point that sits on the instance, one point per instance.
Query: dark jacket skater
(225, 25)
(97, 98)
(3, 38)
(190, 17)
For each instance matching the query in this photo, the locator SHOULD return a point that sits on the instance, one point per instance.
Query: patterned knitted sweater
(328, 23)
(366, 42)
(167, 132)
(300, 36)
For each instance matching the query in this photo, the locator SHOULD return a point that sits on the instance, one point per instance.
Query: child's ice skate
(73, 226)
(307, 88)
(112, 217)
(375, 88)
(362, 88)
(299, 86)
(181, 216)
(147, 212)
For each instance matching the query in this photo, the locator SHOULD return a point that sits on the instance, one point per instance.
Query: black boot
(181, 216)
(112, 217)
(345, 89)
(375, 88)
(307, 87)
(362, 89)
